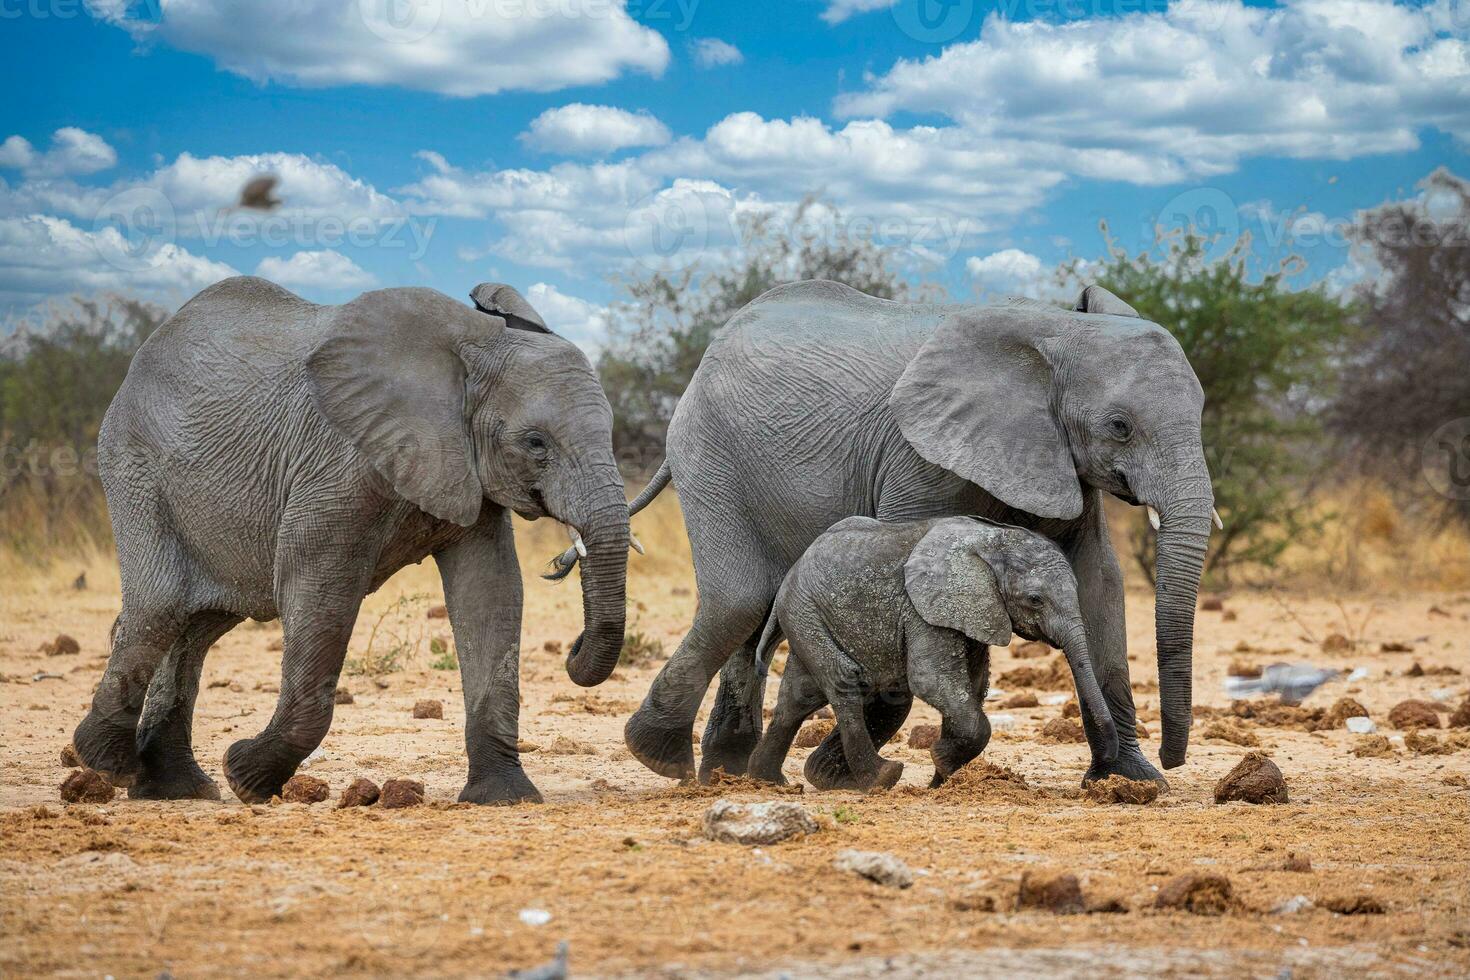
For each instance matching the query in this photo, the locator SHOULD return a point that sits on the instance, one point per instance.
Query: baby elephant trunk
(1089, 695)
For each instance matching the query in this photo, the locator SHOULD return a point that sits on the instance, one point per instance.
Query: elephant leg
(870, 770)
(319, 600)
(884, 714)
(800, 696)
(736, 589)
(107, 739)
(950, 680)
(734, 725)
(482, 588)
(165, 734)
(1100, 591)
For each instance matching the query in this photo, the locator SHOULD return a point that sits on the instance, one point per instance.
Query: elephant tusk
(1153, 518)
(576, 540)
(635, 544)
(1216, 515)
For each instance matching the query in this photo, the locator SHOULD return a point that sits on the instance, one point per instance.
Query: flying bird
(256, 194)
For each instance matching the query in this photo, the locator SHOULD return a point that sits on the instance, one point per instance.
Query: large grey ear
(498, 299)
(389, 376)
(977, 400)
(953, 587)
(1095, 299)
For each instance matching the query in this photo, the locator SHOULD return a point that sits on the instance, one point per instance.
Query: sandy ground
(617, 858)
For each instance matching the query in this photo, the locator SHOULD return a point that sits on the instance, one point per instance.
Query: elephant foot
(1130, 763)
(766, 773)
(109, 747)
(506, 787)
(886, 777)
(181, 782)
(667, 751)
(826, 768)
(727, 750)
(257, 768)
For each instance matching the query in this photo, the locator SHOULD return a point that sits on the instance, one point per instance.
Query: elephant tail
(770, 636)
(561, 566)
(654, 488)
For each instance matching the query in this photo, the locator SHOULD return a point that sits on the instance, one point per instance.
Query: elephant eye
(1119, 429)
(1034, 600)
(535, 442)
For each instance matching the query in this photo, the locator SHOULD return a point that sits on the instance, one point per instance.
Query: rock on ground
(360, 792)
(1256, 779)
(1413, 714)
(1200, 894)
(86, 786)
(305, 789)
(876, 866)
(1121, 789)
(400, 793)
(923, 736)
(1061, 894)
(757, 823)
(428, 708)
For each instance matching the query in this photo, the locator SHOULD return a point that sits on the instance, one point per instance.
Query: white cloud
(1010, 272)
(581, 322)
(711, 52)
(43, 256)
(454, 47)
(840, 10)
(324, 269)
(73, 151)
(1189, 92)
(592, 129)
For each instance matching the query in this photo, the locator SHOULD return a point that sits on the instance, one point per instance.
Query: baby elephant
(874, 611)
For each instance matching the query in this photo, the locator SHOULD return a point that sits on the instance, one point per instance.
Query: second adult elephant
(817, 402)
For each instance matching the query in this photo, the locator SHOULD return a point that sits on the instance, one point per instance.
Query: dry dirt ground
(617, 859)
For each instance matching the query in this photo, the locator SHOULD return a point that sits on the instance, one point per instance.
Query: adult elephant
(817, 402)
(270, 457)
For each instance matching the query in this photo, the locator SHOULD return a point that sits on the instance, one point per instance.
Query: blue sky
(559, 144)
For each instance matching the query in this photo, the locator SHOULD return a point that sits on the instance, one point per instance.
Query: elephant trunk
(604, 528)
(1089, 694)
(1184, 534)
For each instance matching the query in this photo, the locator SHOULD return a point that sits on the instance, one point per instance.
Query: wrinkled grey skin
(270, 457)
(817, 402)
(883, 612)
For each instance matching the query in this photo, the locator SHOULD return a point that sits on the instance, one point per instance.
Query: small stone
(1062, 730)
(305, 789)
(876, 866)
(757, 823)
(1025, 699)
(812, 733)
(1413, 714)
(1336, 643)
(1061, 894)
(923, 736)
(1121, 789)
(62, 646)
(69, 757)
(343, 696)
(360, 792)
(1200, 894)
(86, 786)
(1354, 905)
(429, 708)
(1256, 779)
(1293, 905)
(440, 611)
(399, 793)
(1360, 726)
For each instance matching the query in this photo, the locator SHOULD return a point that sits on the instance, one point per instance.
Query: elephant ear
(1095, 299)
(952, 586)
(498, 299)
(389, 377)
(977, 400)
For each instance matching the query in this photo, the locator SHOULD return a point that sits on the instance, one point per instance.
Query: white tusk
(1216, 515)
(576, 540)
(1153, 518)
(635, 544)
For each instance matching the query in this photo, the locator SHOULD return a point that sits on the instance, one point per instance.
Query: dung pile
(1255, 780)
(1054, 675)
(1200, 894)
(982, 781)
(1121, 789)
